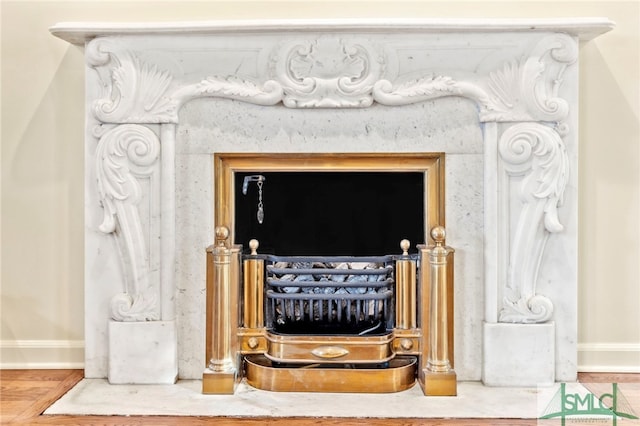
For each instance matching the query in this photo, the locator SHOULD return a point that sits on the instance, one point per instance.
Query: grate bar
(312, 296)
(328, 271)
(274, 282)
(352, 293)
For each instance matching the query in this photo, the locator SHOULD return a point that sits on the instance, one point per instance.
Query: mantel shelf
(583, 28)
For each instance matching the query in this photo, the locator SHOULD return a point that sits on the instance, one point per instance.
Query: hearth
(302, 322)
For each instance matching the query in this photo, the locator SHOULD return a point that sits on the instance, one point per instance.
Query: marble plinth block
(519, 354)
(143, 352)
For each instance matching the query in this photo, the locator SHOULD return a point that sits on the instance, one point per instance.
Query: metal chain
(260, 213)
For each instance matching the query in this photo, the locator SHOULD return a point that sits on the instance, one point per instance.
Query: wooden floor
(25, 394)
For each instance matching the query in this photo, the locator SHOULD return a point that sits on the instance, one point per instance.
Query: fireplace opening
(329, 230)
(314, 272)
(305, 221)
(329, 213)
(329, 234)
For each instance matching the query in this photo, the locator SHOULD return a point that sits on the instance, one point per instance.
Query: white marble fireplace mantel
(498, 97)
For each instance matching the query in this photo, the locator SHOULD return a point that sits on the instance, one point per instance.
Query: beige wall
(42, 155)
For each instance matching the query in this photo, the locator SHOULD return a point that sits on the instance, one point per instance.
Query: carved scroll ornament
(522, 90)
(124, 154)
(327, 72)
(139, 92)
(536, 153)
(134, 91)
(527, 89)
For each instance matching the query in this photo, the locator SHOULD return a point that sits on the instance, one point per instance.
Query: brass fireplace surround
(238, 345)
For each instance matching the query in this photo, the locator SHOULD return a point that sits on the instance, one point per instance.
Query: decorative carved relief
(426, 88)
(138, 92)
(333, 72)
(340, 72)
(327, 72)
(522, 90)
(135, 91)
(232, 87)
(527, 89)
(536, 154)
(125, 154)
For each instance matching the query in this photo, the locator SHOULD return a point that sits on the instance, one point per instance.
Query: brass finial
(404, 245)
(438, 234)
(253, 245)
(222, 234)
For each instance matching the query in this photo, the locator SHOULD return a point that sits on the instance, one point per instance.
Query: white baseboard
(609, 357)
(69, 354)
(41, 354)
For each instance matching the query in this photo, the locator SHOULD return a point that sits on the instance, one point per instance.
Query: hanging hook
(260, 181)
(251, 178)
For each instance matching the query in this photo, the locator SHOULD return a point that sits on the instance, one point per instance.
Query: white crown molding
(585, 28)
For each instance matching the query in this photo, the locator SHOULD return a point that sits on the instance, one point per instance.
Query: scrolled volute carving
(135, 91)
(136, 307)
(124, 154)
(536, 153)
(327, 72)
(527, 89)
(535, 309)
(97, 52)
(553, 55)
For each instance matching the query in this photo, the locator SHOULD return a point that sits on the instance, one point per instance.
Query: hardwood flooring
(25, 394)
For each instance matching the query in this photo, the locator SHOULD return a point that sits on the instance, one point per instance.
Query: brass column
(406, 335)
(252, 333)
(437, 376)
(222, 316)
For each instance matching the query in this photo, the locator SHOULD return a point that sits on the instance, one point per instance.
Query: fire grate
(330, 295)
(328, 324)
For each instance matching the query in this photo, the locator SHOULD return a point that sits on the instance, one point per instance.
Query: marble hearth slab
(98, 397)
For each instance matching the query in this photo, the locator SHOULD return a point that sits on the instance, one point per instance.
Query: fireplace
(336, 297)
(498, 99)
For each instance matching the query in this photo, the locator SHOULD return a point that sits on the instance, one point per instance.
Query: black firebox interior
(331, 213)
